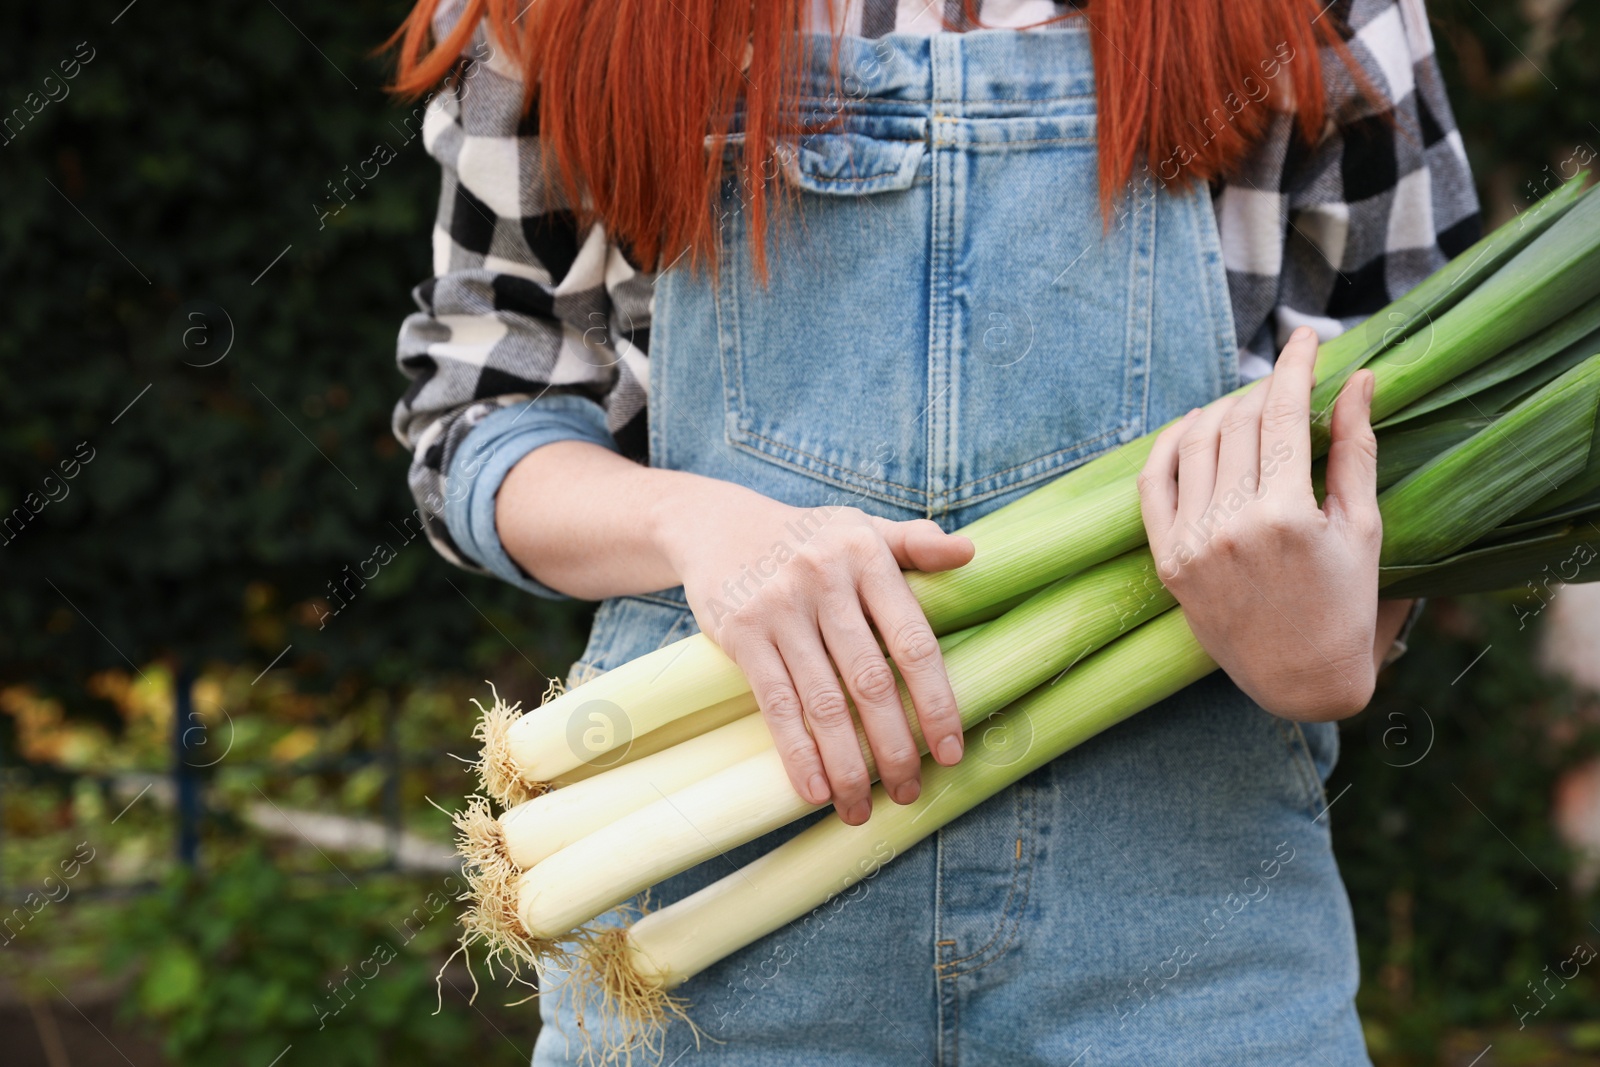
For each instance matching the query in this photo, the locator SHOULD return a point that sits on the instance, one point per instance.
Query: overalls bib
(948, 324)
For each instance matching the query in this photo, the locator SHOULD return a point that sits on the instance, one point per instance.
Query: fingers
(920, 545)
(832, 725)
(1239, 453)
(1353, 454)
(876, 694)
(1197, 463)
(844, 583)
(1286, 419)
(780, 706)
(1158, 483)
(915, 651)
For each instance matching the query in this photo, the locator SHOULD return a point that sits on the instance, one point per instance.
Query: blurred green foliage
(1463, 891)
(1524, 83)
(179, 310)
(163, 228)
(238, 966)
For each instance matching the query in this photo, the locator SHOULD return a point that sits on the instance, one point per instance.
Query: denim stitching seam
(1016, 901)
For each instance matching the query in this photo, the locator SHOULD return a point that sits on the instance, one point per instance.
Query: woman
(1003, 242)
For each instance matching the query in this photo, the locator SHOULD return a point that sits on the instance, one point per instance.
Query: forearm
(606, 536)
(589, 523)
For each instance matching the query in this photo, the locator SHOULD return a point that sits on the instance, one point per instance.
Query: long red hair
(627, 92)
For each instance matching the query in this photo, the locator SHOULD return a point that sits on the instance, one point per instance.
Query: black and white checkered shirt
(524, 305)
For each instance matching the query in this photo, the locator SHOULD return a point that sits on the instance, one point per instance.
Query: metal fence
(183, 783)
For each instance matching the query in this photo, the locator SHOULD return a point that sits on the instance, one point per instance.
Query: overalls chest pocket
(947, 320)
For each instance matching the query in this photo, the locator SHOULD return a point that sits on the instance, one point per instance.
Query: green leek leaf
(1567, 555)
(1518, 371)
(1393, 327)
(1461, 495)
(1557, 272)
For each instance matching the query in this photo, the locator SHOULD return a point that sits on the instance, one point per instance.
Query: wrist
(676, 511)
(1331, 691)
(1330, 680)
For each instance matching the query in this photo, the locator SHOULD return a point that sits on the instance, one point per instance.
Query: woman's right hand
(793, 596)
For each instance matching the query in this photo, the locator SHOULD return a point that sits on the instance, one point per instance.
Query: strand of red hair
(628, 95)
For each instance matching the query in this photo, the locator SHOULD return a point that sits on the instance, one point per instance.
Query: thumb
(920, 545)
(1353, 454)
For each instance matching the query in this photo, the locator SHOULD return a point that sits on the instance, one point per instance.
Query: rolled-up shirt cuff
(487, 454)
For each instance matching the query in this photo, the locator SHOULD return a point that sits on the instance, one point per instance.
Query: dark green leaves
(1467, 491)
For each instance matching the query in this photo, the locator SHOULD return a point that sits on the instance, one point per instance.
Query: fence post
(187, 736)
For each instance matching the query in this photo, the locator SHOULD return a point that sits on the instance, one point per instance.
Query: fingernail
(1302, 333)
(908, 792)
(1366, 389)
(818, 787)
(950, 750)
(860, 812)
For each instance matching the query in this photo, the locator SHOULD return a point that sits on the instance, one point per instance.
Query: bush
(236, 966)
(1463, 891)
(163, 227)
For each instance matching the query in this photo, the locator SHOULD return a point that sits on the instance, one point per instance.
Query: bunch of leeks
(1487, 387)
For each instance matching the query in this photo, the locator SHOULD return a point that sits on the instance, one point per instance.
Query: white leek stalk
(666, 736)
(1033, 642)
(550, 822)
(668, 946)
(621, 705)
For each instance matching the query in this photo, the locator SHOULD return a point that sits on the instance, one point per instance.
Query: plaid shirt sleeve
(532, 331)
(1327, 234)
(529, 330)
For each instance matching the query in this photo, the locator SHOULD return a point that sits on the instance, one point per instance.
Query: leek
(665, 948)
(549, 822)
(675, 943)
(1003, 660)
(1521, 278)
(1429, 515)
(1488, 370)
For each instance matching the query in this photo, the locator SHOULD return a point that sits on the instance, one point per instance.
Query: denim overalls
(948, 324)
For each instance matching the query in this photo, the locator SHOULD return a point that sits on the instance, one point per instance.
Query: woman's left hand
(1282, 593)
